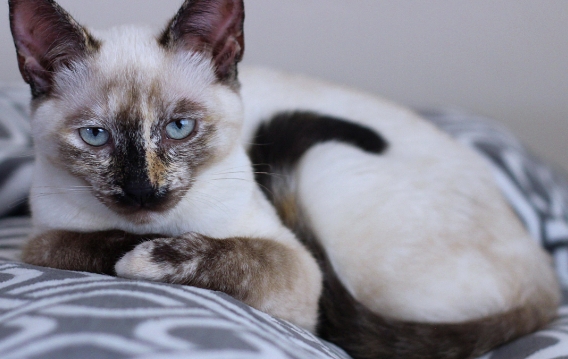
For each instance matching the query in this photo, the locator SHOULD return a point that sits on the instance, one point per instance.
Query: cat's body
(422, 220)
(142, 171)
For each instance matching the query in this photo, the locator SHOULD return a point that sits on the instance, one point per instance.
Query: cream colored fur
(419, 233)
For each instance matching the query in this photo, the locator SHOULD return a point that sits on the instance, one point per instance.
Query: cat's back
(419, 232)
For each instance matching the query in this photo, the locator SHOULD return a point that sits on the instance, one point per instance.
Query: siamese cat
(360, 221)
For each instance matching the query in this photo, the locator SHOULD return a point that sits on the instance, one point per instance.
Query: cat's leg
(280, 279)
(95, 252)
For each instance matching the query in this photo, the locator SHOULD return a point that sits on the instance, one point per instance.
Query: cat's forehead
(131, 69)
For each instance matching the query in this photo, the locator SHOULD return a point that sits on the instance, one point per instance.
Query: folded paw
(139, 264)
(171, 260)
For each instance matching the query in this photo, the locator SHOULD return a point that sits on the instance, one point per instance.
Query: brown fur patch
(288, 207)
(245, 268)
(95, 252)
(156, 169)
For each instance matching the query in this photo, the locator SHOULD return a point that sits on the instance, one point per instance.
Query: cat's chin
(141, 214)
(143, 217)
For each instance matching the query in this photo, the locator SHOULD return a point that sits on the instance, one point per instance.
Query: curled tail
(279, 145)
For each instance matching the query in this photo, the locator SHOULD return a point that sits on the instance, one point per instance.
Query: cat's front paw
(173, 260)
(139, 264)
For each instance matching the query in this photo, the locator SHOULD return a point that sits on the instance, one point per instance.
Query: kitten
(142, 171)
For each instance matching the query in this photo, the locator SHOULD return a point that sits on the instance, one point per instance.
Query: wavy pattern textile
(46, 313)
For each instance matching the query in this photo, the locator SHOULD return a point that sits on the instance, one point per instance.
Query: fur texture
(425, 220)
(407, 225)
(279, 145)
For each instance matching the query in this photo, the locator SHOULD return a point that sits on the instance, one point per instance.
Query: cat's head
(133, 114)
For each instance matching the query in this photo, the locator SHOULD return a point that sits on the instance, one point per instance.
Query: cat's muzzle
(141, 197)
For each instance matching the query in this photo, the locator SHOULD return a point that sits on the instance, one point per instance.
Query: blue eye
(94, 136)
(180, 129)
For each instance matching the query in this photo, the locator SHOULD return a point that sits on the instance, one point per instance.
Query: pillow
(16, 156)
(47, 313)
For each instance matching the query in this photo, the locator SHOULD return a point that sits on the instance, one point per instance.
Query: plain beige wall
(507, 59)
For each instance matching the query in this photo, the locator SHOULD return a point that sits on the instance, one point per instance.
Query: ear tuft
(47, 38)
(213, 27)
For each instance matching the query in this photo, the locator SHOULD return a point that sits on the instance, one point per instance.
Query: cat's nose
(139, 193)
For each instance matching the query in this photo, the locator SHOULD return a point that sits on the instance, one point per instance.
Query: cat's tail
(366, 335)
(279, 144)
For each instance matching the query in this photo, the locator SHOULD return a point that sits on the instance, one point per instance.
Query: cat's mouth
(141, 204)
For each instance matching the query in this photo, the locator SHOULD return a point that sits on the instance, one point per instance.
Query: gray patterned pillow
(46, 313)
(16, 157)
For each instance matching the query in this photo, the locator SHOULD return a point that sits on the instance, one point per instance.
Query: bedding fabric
(47, 313)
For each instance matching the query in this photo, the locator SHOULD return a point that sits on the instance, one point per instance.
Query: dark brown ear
(214, 27)
(47, 39)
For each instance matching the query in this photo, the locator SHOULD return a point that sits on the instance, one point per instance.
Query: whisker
(273, 174)
(54, 192)
(64, 187)
(209, 200)
(232, 178)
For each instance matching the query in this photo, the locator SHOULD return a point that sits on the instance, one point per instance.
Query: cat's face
(136, 116)
(144, 126)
